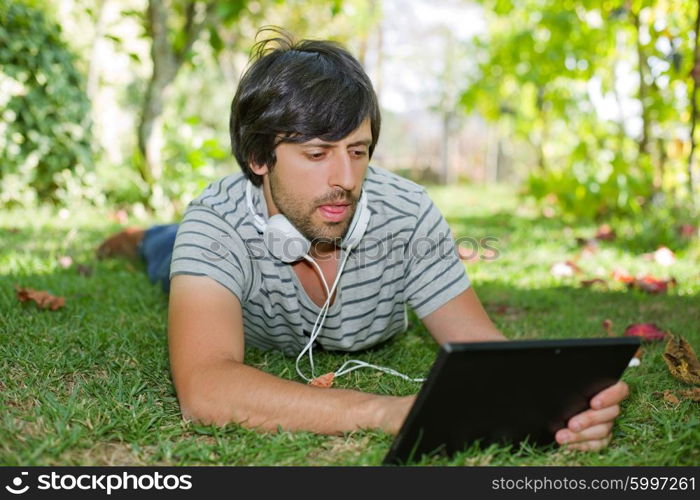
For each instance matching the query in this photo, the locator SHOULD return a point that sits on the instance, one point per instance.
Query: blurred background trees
(589, 105)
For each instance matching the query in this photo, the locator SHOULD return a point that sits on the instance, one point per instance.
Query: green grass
(89, 384)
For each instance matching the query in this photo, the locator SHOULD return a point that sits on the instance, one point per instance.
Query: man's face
(317, 184)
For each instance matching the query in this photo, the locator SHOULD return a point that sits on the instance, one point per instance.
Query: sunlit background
(588, 107)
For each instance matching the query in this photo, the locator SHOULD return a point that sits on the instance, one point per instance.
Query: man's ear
(258, 169)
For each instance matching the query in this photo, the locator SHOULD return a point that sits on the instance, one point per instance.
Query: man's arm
(205, 337)
(463, 319)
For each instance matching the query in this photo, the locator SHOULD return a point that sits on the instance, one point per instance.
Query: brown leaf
(324, 381)
(607, 326)
(692, 394)
(671, 398)
(43, 299)
(646, 331)
(682, 361)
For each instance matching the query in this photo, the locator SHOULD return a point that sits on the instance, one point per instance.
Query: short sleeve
(206, 245)
(434, 274)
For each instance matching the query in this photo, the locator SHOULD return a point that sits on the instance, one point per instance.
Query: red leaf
(646, 331)
(650, 284)
(622, 276)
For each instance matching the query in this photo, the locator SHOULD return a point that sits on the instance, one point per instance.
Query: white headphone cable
(322, 315)
(316, 330)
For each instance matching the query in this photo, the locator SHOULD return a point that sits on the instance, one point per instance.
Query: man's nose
(342, 172)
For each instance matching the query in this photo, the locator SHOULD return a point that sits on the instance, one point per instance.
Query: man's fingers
(611, 396)
(593, 445)
(589, 418)
(593, 433)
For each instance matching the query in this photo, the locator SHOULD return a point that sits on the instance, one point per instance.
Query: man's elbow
(197, 407)
(201, 412)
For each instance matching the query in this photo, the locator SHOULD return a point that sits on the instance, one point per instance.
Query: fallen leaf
(649, 284)
(84, 270)
(671, 398)
(692, 394)
(43, 299)
(622, 276)
(682, 361)
(324, 381)
(565, 269)
(646, 331)
(65, 261)
(605, 233)
(607, 326)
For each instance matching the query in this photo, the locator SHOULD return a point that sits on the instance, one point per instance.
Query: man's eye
(316, 155)
(359, 153)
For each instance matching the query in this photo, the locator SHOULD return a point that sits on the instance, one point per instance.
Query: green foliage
(560, 78)
(44, 131)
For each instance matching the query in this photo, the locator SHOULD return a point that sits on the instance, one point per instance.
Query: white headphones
(286, 243)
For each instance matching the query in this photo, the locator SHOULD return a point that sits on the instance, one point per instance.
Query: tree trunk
(643, 70)
(166, 63)
(164, 70)
(692, 171)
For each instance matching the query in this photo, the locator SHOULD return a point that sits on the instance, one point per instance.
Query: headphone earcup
(284, 241)
(358, 225)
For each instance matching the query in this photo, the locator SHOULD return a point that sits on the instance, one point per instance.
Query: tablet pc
(505, 392)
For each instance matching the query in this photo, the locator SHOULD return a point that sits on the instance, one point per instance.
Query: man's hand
(592, 429)
(463, 319)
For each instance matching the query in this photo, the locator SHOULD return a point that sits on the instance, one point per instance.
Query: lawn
(89, 383)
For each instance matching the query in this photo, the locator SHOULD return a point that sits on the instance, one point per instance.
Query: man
(304, 124)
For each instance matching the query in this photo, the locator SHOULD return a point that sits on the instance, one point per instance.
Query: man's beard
(300, 215)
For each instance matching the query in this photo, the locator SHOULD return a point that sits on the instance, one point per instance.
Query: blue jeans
(156, 249)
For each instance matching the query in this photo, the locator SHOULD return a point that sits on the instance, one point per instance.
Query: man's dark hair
(295, 92)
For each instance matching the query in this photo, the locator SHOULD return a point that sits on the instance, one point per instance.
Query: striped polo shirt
(407, 257)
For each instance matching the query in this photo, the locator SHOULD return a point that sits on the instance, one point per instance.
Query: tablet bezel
(589, 379)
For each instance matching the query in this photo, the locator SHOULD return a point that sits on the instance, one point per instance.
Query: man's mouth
(334, 212)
